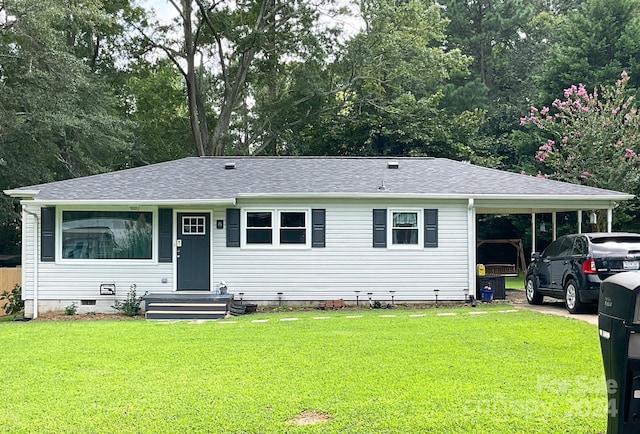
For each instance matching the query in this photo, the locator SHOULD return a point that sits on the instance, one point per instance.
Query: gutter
(35, 260)
(133, 202)
(460, 196)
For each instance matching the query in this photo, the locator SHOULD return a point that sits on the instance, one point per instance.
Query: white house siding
(60, 284)
(349, 263)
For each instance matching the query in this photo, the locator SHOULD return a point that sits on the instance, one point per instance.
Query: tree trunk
(197, 116)
(234, 86)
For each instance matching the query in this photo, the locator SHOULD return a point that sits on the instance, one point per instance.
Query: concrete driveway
(549, 306)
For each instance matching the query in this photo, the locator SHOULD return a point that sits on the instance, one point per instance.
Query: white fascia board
(25, 194)
(386, 194)
(160, 202)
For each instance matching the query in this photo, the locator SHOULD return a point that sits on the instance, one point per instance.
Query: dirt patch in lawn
(310, 417)
(61, 316)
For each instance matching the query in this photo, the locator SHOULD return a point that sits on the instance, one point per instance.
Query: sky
(350, 24)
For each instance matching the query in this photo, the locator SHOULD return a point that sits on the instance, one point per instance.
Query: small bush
(131, 304)
(15, 304)
(72, 309)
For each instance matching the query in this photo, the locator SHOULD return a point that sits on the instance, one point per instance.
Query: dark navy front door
(193, 252)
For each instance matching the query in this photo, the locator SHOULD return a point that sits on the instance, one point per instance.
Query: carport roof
(217, 179)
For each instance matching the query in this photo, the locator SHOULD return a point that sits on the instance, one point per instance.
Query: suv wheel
(571, 299)
(531, 290)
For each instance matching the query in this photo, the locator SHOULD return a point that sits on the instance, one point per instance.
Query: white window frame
(100, 261)
(201, 223)
(275, 229)
(420, 226)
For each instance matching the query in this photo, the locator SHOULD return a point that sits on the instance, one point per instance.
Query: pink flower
(533, 109)
(522, 172)
(629, 153)
(581, 90)
(615, 111)
(584, 175)
(544, 110)
(565, 139)
(570, 91)
(624, 74)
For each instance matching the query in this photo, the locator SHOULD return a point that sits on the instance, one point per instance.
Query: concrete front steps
(186, 306)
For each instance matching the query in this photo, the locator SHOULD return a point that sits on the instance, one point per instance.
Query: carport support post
(609, 218)
(533, 232)
(579, 221)
(471, 243)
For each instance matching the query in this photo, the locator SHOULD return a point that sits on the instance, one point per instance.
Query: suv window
(553, 249)
(566, 247)
(580, 246)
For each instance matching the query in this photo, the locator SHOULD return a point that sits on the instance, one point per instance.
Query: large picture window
(107, 235)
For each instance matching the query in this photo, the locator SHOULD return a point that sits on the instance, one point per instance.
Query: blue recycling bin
(487, 294)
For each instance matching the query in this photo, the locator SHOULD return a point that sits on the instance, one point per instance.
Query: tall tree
(390, 75)
(482, 28)
(593, 44)
(57, 118)
(153, 95)
(592, 138)
(219, 43)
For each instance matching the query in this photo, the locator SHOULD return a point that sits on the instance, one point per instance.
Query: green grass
(499, 372)
(515, 282)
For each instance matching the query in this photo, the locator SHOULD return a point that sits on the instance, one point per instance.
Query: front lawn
(447, 370)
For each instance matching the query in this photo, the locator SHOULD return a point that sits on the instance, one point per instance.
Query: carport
(586, 202)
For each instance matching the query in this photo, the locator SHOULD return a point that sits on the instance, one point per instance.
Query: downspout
(35, 260)
(471, 247)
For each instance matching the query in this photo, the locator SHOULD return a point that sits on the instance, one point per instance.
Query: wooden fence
(8, 278)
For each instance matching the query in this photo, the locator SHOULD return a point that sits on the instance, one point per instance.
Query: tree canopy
(92, 85)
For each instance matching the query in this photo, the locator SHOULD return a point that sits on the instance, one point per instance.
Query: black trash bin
(619, 330)
(496, 283)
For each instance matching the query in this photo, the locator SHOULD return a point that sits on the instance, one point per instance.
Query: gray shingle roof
(206, 178)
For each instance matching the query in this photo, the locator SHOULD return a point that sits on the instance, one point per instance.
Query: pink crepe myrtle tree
(591, 138)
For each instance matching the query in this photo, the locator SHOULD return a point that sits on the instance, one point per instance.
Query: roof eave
(134, 202)
(383, 194)
(21, 193)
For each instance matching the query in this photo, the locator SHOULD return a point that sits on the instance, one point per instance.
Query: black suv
(572, 267)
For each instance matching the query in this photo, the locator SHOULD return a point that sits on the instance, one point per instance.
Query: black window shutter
(431, 228)
(165, 235)
(379, 228)
(233, 227)
(48, 234)
(318, 228)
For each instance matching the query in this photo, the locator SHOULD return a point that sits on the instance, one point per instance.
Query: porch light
(357, 297)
